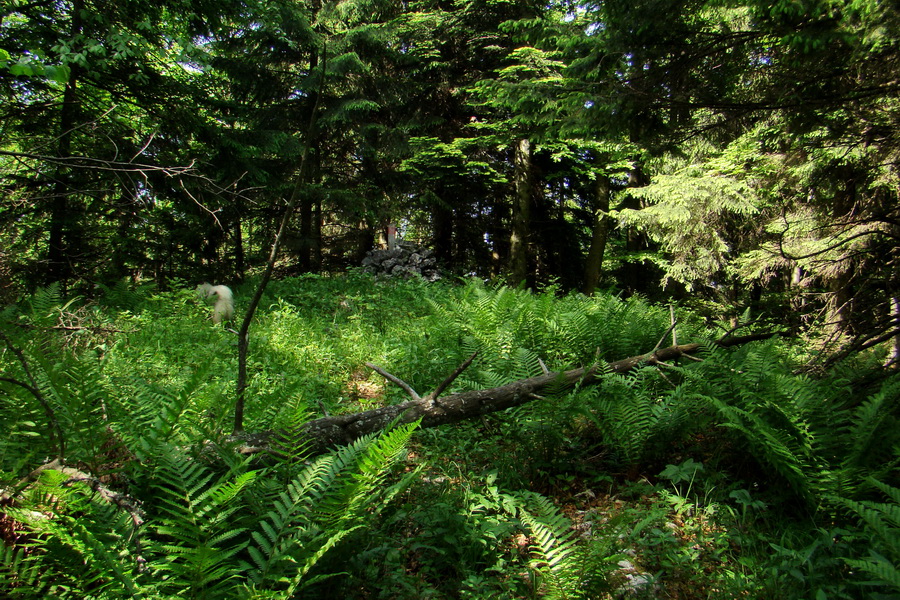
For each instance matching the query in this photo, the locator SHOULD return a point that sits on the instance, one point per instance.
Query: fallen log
(320, 435)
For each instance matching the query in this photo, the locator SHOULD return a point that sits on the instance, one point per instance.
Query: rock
(406, 260)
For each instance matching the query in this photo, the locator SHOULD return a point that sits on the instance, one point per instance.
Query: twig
(323, 408)
(663, 338)
(72, 328)
(443, 386)
(674, 323)
(34, 388)
(76, 127)
(144, 147)
(212, 213)
(736, 327)
(399, 382)
(543, 366)
(663, 375)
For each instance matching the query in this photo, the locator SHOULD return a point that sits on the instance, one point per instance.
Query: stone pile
(406, 260)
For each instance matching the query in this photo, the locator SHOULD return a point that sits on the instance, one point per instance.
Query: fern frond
(883, 571)
(882, 521)
(775, 447)
(554, 548)
(153, 418)
(872, 433)
(82, 542)
(22, 576)
(320, 507)
(199, 540)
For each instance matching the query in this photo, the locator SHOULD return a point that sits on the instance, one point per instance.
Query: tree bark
(521, 216)
(59, 267)
(593, 267)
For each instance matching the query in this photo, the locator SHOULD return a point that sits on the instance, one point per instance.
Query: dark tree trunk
(521, 214)
(442, 222)
(593, 267)
(304, 258)
(317, 237)
(59, 267)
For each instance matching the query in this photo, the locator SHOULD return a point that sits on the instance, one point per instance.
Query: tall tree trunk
(593, 267)
(893, 357)
(307, 202)
(442, 225)
(244, 333)
(304, 260)
(59, 267)
(239, 265)
(521, 214)
(842, 294)
(317, 236)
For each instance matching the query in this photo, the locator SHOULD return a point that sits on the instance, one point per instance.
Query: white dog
(223, 309)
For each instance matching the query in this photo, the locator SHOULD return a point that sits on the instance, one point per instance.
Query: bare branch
(396, 380)
(663, 338)
(544, 366)
(433, 396)
(674, 323)
(34, 389)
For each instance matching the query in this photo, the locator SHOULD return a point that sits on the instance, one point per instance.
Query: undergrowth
(731, 476)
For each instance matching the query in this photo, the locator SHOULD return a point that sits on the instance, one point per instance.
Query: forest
(446, 299)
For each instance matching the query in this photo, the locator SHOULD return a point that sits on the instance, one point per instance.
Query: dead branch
(124, 502)
(396, 381)
(320, 435)
(433, 396)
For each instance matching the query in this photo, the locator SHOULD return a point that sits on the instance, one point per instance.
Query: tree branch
(433, 396)
(320, 435)
(396, 381)
(244, 333)
(34, 389)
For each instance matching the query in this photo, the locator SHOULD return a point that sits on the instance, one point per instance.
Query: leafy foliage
(882, 521)
(682, 477)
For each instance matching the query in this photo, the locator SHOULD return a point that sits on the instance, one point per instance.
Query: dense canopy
(738, 156)
(658, 240)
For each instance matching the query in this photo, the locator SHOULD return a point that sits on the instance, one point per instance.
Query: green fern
(80, 545)
(556, 554)
(201, 539)
(78, 392)
(773, 446)
(151, 418)
(22, 576)
(198, 538)
(511, 329)
(44, 306)
(882, 521)
(872, 436)
(638, 419)
(320, 507)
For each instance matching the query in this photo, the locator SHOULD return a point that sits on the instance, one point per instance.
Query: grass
(709, 480)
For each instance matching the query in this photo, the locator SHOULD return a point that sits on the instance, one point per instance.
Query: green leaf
(21, 68)
(59, 74)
